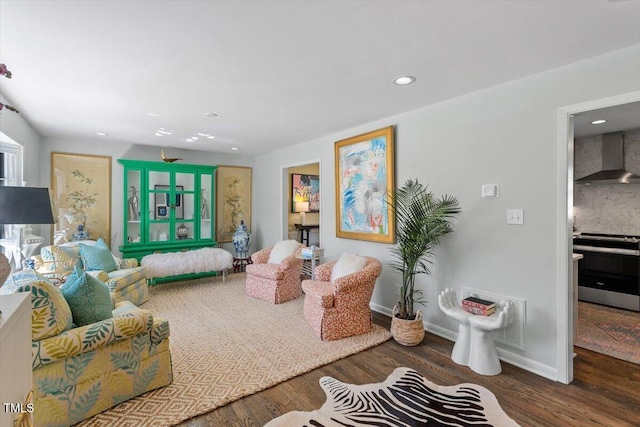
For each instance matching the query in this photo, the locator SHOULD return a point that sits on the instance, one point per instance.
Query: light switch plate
(515, 216)
(490, 190)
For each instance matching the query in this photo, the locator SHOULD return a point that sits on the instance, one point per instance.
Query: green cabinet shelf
(168, 207)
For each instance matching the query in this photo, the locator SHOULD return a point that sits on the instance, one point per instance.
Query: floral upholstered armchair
(127, 281)
(79, 371)
(275, 273)
(336, 304)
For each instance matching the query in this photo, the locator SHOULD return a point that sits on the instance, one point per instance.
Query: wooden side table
(240, 264)
(304, 231)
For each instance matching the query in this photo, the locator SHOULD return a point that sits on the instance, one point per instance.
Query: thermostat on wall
(490, 190)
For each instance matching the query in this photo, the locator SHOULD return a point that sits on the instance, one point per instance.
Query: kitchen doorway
(565, 222)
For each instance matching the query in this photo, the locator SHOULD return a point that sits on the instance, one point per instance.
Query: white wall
(502, 135)
(18, 129)
(126, 150)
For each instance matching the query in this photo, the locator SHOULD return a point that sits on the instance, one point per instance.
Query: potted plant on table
(421, 219)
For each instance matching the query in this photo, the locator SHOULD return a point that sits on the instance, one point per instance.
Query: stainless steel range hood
(613, 171)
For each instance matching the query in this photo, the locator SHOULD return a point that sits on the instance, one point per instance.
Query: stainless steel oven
(609, 273)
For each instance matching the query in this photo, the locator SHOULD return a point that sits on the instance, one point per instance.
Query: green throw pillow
(88, 298)
(98, 257)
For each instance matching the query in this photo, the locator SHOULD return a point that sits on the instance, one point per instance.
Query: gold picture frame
(81, 194)
(364, 182)
(233, 200)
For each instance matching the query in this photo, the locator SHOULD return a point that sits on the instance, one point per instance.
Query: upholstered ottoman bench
(172, 266)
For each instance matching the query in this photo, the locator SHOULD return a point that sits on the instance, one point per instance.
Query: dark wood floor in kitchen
(605, 391)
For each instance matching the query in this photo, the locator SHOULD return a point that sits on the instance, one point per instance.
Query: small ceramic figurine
(134, 213)
(204, 208)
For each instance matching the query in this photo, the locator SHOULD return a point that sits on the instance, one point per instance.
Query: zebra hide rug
(404, 399)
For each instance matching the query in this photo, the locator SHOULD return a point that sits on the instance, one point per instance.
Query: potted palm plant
(421, 219)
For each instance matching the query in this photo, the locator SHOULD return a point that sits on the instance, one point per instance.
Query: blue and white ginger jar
(241, 241)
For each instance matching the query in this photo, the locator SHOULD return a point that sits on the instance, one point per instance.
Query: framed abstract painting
(305, 193)
(364, 183)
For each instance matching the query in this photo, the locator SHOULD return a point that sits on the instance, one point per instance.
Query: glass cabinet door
(159, 206)
(184, 206)
(134, 206)
(206, 204)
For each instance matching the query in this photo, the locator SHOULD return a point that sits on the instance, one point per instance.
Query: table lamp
(24, 205)
(302, 208)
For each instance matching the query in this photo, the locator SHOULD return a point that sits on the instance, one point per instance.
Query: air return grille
(514, 334)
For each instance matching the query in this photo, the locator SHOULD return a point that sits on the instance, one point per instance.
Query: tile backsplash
(607, 208)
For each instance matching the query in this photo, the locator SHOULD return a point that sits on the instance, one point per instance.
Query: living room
(505, 128)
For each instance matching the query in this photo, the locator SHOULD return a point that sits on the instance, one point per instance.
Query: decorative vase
(182, 232)
(407, 332)
(81, 233)
(241, 240)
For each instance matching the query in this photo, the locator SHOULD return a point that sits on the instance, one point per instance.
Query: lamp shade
(25, 205)
(301, 206)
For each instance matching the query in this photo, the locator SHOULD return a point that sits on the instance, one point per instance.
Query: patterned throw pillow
(60, 259)
(88, 298)
(98, 257)
(50, 313)
(347, 264)
(282, 250)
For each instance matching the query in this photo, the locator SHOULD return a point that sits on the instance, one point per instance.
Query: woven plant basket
(407, 332)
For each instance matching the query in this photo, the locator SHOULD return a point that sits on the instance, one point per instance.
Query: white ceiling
(277, 72)
(620, 117)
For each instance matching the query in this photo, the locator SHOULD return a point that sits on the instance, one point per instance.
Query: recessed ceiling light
(598, 122)
(101, 134)
(153, 115)
(210, 115)
(234, 148)
(404, 80)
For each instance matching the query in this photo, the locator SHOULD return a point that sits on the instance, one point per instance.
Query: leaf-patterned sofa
(81, 371)
(127, 283)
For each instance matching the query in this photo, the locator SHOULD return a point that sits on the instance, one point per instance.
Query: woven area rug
(609, 331)
(404, 399)
(224, 346)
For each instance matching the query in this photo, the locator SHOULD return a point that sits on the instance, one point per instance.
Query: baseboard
(505, 355)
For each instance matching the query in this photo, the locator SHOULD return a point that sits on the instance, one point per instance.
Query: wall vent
(514, 334)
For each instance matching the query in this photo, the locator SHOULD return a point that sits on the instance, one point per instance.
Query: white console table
(15, 353)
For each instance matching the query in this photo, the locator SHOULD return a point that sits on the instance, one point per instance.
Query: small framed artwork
(305, 193)
(162, 212)
(364, 185)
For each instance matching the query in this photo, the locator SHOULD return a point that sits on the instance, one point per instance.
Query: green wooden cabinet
(168, 207)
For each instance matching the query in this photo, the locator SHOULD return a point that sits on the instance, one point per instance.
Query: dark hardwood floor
(605, 391)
